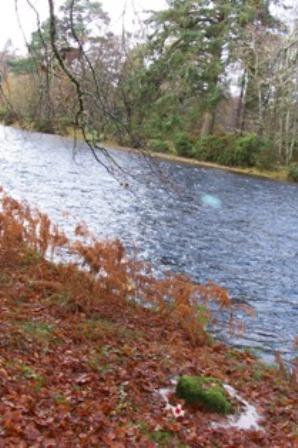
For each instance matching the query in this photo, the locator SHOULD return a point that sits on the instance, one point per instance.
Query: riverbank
(82, 364)
(280, 175)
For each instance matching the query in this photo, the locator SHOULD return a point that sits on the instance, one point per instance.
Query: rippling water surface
(238, 231)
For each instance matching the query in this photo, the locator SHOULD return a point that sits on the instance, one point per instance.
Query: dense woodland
(216, 81)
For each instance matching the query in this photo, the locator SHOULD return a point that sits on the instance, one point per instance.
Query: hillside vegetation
(86, 353)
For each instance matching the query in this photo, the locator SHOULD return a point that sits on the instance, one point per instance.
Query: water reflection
(211, 200)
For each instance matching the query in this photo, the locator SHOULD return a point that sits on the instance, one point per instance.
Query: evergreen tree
(193, 43)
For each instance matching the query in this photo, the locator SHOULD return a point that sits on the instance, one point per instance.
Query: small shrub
(295, 152)
(8, 117)
(43, 125)
(293, 172)
(232, 150)
(249, 149)
(215, 149)
(3, 113)
(204, 391)
(63, 124)
(183, 144)
(267, 159)
(158, 145)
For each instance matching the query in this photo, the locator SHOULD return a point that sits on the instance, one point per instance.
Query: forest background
(214, 81)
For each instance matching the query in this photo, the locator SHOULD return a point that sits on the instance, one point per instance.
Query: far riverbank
(280, 174)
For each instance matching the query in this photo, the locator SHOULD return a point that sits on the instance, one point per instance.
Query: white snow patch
(247, 420)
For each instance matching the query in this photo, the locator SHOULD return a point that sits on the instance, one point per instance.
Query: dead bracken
(80, 361)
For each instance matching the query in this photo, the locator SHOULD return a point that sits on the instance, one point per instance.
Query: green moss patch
(206, 392)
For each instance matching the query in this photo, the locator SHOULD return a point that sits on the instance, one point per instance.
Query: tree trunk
(241, 104)
(208, 123)
(243, 116)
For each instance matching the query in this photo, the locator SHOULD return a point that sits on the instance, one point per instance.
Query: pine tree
(193, 43)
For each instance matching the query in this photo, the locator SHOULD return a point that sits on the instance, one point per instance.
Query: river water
(239, 231)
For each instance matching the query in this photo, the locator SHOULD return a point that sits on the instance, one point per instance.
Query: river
(239, 231)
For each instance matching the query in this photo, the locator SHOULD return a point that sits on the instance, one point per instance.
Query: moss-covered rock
(203, 391)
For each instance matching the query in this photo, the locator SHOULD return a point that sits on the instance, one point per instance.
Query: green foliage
(161, 438)
(44, 125)
(267, 158)
(295, 151)
(186, 48)
(203, 315)
(2, 114)
(87, 16)
(32, 257)
(247, 150)
(160, 91)
(293, 172)
(183, 144)
(204, 391)
(215, 149)
(63, 125)
(22, 66)
(30, 374)
(158, 145)
(61, 399)
(8, 117)
(185, 66)
(40, 331)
